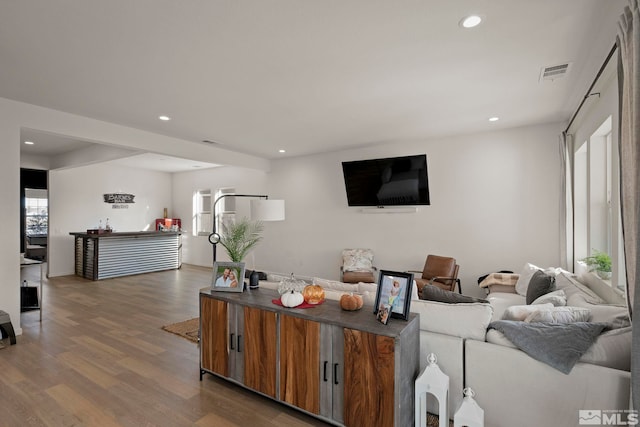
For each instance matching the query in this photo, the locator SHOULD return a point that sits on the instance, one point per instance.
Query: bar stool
(469, 414)
(434, 381)
(6, 327)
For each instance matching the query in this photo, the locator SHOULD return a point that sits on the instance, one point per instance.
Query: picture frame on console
(228, 277)
(394, 290)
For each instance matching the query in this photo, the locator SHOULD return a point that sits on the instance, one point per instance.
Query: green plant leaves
(239, 238)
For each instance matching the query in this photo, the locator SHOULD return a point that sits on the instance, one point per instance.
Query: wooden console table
(343, 367)
(101, 256)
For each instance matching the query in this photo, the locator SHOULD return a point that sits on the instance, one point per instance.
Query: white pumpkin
(292, 299)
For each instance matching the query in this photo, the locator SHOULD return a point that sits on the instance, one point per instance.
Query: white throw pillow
(520, 312)
(557, 298)
(525, 277)
(527, 272)
(357, 260)
(560, 315)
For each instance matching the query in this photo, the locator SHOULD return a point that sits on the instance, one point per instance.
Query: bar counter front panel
(102, 256)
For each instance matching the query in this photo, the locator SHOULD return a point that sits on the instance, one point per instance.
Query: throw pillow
(357, 260)
(434, 293)
(525, 276)
(539, 285)
(560, 315)
(557, 298)
(521, 312)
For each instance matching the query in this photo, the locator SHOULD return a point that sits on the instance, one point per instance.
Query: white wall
(17, 115)
(197, 249)
(76, 204)
(494, 205)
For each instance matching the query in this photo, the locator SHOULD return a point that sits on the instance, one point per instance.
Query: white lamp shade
(267, 210)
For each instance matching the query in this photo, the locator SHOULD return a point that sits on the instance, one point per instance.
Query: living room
(494, 192)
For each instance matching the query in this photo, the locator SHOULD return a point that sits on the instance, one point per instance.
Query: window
(36, 212)
(225, 209)
(596, 207)
(202, 222)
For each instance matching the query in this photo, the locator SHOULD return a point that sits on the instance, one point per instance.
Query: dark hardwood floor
(100, 358)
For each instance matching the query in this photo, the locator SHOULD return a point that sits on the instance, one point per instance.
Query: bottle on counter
(108, 226)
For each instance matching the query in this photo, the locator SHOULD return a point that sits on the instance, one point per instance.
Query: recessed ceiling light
(470, 21)
(282, 151)
(28, 142)
(164, 118)
(494, 119)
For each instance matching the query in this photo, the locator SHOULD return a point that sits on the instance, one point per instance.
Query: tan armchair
(439, 271)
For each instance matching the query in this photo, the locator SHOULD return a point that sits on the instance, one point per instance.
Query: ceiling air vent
(554, 72)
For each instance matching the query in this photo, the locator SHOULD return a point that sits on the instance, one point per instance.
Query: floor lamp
(262, 209)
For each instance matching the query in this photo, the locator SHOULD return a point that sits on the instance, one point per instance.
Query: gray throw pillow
(540, 284)
(434, 293)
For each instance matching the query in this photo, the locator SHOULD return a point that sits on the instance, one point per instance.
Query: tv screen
(395, 181)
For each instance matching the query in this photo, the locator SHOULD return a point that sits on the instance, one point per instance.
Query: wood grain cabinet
(239, 342)
(343, 367)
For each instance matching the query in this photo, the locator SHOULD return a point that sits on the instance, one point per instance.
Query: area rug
(188, 329)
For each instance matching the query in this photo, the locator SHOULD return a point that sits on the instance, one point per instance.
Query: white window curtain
(628, 42)
(566, 202)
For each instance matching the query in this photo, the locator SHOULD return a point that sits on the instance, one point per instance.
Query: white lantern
(434, 381)
(469, 414)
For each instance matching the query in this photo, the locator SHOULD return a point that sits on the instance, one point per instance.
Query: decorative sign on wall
(119, 200)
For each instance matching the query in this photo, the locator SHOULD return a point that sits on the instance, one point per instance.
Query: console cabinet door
(214, 332)
(300, 363)
(258, 345)
(368, 379)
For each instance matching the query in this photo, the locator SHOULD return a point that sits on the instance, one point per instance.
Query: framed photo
(228, 276)
(394, 290)
(383, 314)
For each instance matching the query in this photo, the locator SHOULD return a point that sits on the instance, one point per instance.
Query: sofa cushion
(560, 315)
(464, 320)
(540, 284)
(557, 298)
(607, 293)
(616, 316)
(520, 312)
(335, 285)
(612, 349)
(434, 293)
(571, 286)
(500, 301)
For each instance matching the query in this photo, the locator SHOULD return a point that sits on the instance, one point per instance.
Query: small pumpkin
(351, 302)
(291, 299)
(313, 294)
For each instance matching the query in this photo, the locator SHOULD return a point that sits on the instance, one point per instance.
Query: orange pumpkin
(313, 294)
(351, 302)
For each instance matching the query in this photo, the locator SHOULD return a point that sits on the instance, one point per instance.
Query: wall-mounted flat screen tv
(395, 181)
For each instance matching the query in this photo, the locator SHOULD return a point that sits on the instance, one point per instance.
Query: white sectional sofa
(513, 388)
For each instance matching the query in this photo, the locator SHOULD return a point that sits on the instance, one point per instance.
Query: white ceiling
(257, 76)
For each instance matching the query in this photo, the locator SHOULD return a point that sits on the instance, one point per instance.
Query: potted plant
(600, 262)
(240, 237)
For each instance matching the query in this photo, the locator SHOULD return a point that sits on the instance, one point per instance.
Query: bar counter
(115, 254)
